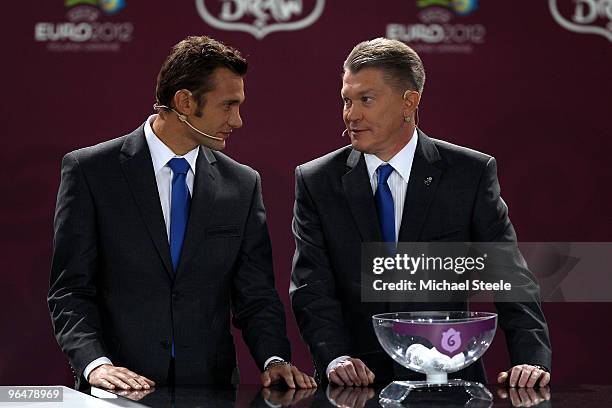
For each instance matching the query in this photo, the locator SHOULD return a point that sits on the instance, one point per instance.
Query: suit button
(165, 344)
(175, 296)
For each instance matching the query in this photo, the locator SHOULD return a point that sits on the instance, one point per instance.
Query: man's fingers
(335, 378)
(265, 379)
(111, 377)
(127, 379)
(350, 370)
(131, 381)
(305, 383)
(299, 377)
(545, 379)
(102, 382)
(545, 391)
(138, 378)
(117, 381)
(371, 375)
(141, 380)
(145, 382)
(360, 369)
(308, 381)
(136, 384)
(313, 382)
(151, 382)
(502, 377)
(533, 378)
(341, 372)
(525, 374)
(515, 373)
(288, 377)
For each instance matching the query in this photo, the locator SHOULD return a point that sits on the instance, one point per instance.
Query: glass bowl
(434, 343)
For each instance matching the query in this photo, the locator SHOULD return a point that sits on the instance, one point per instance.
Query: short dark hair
(400, 64)
(190, 66)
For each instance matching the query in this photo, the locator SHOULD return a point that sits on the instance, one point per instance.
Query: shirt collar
(401, 162)
(160, 153)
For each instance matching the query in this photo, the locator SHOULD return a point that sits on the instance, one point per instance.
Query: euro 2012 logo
(460, 7)
(107, 6)
(89, 25)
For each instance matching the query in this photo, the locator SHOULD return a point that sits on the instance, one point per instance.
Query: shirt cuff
(270, 360)
(95, 364)
(333, 364)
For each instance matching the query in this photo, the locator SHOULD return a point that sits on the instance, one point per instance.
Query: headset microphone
(345, 132)
(183, 119)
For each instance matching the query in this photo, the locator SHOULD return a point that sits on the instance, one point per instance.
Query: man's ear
(184, 102)
(411, 102)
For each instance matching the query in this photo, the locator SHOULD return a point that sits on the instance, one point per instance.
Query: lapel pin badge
(428, 180)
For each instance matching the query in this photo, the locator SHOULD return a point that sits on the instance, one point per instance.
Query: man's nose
(352, 114)
(235, 121)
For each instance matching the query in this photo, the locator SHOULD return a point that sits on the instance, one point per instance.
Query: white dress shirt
(161, 155)
(398, 180)
(398, 184)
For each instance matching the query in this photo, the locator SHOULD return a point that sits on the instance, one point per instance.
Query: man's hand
(290, 374)
(524, 375)
(351, 372)
(111, 377)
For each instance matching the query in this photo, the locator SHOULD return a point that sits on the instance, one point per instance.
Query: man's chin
(213, 144)
(359, 146)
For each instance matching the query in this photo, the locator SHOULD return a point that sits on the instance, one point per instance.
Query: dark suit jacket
(113, 291)
(335, 212)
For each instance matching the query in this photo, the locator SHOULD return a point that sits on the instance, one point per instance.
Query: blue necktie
(179, 212)
(384, 204)
(179, 208)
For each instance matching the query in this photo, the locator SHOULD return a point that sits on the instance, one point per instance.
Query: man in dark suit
(395, 184)
(157, 234)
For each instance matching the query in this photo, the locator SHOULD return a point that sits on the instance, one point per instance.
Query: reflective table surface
(256, 396)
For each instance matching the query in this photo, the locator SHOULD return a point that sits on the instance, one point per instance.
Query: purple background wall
(536, 96)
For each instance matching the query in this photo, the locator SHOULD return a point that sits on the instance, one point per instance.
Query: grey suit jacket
(335, 212)
(113, 291)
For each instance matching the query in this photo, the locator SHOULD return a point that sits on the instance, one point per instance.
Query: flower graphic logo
(451, 340)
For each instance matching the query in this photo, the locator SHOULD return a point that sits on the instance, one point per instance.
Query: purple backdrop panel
(527, 82)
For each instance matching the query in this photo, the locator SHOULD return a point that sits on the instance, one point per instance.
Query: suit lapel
(204, 192)
(422, 185)
(137, 166)
(358, 191)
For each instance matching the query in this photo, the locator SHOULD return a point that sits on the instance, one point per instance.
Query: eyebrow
(360, 93)
(231, 101)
